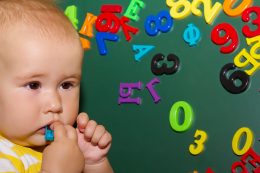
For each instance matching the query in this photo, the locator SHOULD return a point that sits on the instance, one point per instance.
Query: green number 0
(174, 116)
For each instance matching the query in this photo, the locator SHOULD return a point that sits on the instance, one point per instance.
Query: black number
(229, 83)
(164, 69)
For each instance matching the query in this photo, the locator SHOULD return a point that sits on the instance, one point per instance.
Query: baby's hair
(43, 16)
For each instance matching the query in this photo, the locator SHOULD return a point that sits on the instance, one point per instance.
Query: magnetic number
(229, 83)
(246, 59)
(227, 7)
(154, 24)
(176, 7)
(246, 17)
(230, 34)
(174, 116)
(183, 8)
(236, 140)
(210, 11)
(200, 138)
(164, 69)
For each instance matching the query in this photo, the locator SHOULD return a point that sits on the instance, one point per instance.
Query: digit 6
(229, 83)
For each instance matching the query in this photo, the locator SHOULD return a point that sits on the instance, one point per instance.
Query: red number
(246, 17)
(230, 34)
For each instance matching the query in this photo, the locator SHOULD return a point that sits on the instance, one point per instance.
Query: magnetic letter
(86, 28)
(133, 9)
(150, 88)
(101, 37)
(125, 97)
(141, 50)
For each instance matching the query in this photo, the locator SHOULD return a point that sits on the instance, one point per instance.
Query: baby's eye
(33, 85)
(66, 85)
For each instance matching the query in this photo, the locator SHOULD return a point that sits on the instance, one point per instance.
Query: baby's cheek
(70, 119)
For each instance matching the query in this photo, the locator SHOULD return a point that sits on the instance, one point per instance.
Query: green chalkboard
(143, 138)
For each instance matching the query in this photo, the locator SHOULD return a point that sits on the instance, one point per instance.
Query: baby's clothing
(18, 159)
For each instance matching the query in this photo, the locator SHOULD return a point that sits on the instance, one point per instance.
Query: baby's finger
(59, 131)
(82, 121)
(105, 140)
(71, 133)
(98, 133)
(90, 129)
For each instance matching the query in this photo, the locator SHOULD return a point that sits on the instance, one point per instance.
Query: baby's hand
(63, 154)
(93, 139)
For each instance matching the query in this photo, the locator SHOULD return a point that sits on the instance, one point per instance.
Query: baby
(40, 72)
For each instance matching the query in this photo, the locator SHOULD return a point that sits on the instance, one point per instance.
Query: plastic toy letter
(127, 28)
(71, 13)
(125, 97)
(100, 39)
(141, 50)
(150, 88)
(49, 134)
(209, 170)
(192, 35)
(133, 9)
(250, 157)
(86, 28)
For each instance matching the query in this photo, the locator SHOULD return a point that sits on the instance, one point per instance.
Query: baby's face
(40, 83)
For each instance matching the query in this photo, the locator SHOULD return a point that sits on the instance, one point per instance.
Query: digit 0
(174, 116)
(227, 7)
(236, 141)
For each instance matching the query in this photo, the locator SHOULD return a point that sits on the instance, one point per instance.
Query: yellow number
(254, 49)
(236, 141)
(210, 12)
(244, 59)
(176, 6)
(200, 138)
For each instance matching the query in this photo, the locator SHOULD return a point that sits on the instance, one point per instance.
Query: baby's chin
(36, 142)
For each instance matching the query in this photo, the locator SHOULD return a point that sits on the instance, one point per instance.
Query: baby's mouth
(41, 131)
(49, 134)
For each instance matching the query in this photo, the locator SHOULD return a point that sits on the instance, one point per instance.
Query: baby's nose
(53, 103)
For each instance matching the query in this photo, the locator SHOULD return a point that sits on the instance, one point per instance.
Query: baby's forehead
(41, 16)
